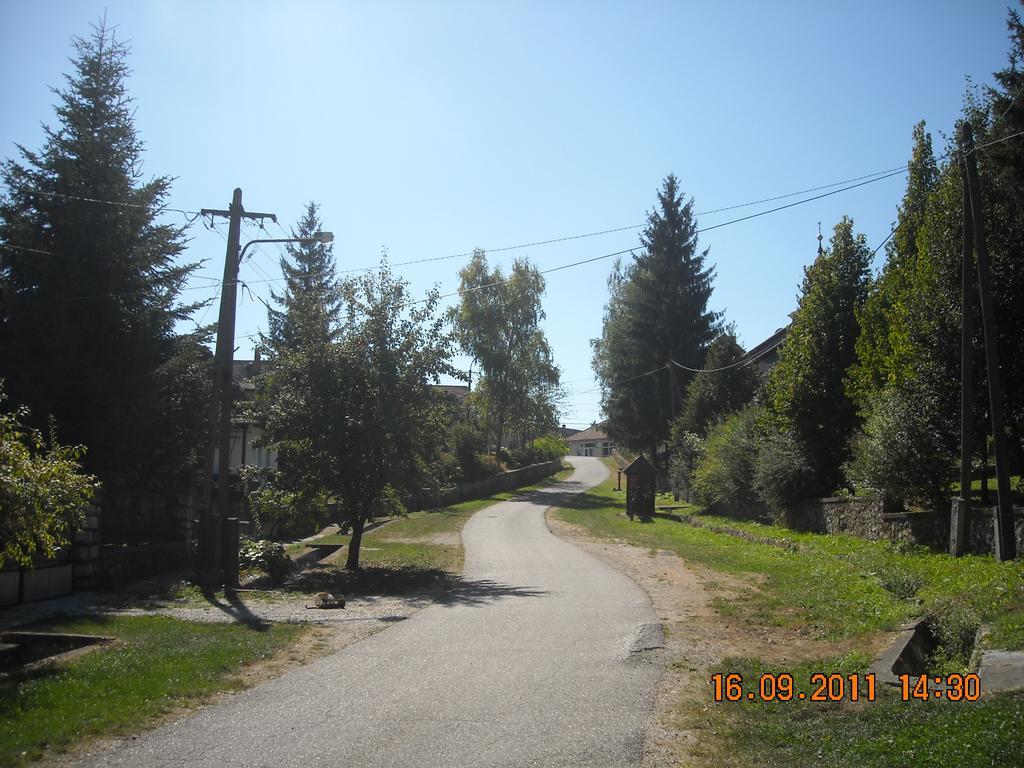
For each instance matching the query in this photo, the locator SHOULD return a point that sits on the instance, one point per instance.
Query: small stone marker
(639, 489)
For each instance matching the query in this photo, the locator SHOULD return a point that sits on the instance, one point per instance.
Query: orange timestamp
(836, 687)
(781, 687)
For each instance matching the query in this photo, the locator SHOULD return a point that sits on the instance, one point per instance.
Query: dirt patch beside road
(697, 638)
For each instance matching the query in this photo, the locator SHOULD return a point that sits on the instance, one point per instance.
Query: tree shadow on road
(464, 591)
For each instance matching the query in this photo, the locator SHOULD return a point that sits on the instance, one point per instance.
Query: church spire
(821, 251)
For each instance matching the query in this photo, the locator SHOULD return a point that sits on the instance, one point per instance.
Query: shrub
(43, 494)
(954, 625)
(277, 511)
(901, 451)
(724, 474)
(783, 476)
(469, 446)
(266, 556)
(549, 448)
(687, 450)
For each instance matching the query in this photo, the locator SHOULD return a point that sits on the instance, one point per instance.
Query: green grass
(841, 587)
(157, 664)
(420, 551)
(888, 732)
(418, 539)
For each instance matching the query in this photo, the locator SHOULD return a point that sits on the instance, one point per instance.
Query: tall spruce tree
(657, 312)
(309, 307)
(89, 281)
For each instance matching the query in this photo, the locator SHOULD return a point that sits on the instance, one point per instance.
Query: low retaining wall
(485, 486)
(872, 519)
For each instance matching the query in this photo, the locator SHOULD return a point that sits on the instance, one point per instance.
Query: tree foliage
(805, 390)
(309, 307)
(724, 474)
(657, 312)
(497, 323)
(353, 419)
(88, 290)
(43, 493)
(721, 389)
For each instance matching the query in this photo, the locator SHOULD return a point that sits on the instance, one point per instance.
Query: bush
(470, 446)
(43, 494)
(277, 511)
(266, 556)
(687, 450)
(954, 625)
(549, 448)
(901, 451)
(724, 475)
(783, 476)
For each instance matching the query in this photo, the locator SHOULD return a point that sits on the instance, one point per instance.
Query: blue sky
(431, 128)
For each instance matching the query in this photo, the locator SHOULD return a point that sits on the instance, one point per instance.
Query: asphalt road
(543, 657)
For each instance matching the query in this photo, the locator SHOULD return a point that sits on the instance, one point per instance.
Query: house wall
(591, 447)
(254, 455)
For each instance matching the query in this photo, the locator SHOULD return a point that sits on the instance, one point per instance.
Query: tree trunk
(352, 562)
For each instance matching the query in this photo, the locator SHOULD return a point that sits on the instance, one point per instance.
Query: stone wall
(482, 488)
(98, 565)
(871, 519)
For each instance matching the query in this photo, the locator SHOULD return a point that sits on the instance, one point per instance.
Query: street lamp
(213, 552)
(317, 237)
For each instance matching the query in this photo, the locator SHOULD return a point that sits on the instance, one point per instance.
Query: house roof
(592, 433)
(459, 391)
(769, 345)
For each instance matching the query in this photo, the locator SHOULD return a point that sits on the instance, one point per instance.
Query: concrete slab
(1001, 671)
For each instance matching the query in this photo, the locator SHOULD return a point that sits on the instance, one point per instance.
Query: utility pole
(1005, 536)
(213, 518)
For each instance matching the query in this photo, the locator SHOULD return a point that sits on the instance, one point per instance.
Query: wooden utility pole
(1005, 535)
(213, 518)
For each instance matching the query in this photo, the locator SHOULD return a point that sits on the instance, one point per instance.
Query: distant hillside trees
(657, 311)
(90, 280)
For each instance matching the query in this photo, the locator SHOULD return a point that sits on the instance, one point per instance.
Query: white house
(593, 441)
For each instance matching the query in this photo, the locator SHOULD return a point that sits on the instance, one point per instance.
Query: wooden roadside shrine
(640, 482)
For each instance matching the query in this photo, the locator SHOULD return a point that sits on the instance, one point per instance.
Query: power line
(699, 231)
(190, 215)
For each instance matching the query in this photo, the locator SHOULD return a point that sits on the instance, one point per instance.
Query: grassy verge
(422, 550)
(157, 665)
(838, 587)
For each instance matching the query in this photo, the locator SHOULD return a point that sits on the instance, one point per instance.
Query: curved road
(541, 658)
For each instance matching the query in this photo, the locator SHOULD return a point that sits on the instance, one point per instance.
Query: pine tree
(310, 304)
(90, 280)
(657, 312)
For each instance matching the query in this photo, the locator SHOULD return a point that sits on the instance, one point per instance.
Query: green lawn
(156, 665)
(841, 588)
(420, 551)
